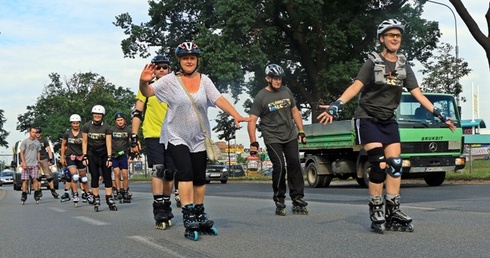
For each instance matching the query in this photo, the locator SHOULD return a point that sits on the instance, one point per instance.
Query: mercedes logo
(433, 147)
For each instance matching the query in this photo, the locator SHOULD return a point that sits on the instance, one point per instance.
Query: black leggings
(97, 167)
(190, 166)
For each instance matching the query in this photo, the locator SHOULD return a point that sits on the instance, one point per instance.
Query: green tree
(320, 44)
(76, 95)
(443, 71)
(3, 133)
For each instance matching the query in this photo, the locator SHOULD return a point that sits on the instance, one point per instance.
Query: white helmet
(389, 24)
(75, 118)
(98, 109)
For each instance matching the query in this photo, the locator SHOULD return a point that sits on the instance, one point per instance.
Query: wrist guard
(134, 140)
(302, 137)
(437, 113)
(335, 109)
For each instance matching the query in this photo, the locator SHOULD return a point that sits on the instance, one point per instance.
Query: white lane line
(57, 209)
(91, 221)
(146, 241)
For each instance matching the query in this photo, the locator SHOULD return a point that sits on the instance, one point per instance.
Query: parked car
(236, 170)
(216, 172)
(7, 177)
(267, 172)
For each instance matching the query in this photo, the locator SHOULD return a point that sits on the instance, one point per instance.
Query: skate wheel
(114, 208)
(192, 235)
(169, 223)
(160, 225)
(96, 209)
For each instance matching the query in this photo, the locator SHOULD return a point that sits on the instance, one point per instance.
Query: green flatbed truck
(429, 148)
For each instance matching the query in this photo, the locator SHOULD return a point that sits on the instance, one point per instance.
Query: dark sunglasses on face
(164, 67)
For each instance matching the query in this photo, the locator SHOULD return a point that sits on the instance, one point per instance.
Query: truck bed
(338, 135)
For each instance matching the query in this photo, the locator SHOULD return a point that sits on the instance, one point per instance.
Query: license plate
(215, 175)
(435, 169)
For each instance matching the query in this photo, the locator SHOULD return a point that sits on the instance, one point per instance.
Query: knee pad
(75, 177)
(375, 157)
(158, 171)
(84, 179)
(169, 174)
(395, 169)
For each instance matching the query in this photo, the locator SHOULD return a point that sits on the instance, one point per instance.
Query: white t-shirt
(182, 125)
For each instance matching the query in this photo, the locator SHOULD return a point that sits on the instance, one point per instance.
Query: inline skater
(151, 113)
(380, 82)
(121, 135)
(71, 157)
(45, 161)
(97, 153)
(29, 157)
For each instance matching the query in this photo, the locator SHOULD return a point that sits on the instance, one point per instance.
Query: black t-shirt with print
(73, 143)
(120, 139)
(96, 137)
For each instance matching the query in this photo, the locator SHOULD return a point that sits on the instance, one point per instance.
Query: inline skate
(55, 194)
(280, 207)
(126, 196)
(299, 206)
(23, 198)
(65, 197)
(37, 196)
(177, 199)
(117, 194)
(95, 202)
(161, 216)
(206, 226)
(111, 202)
(396, 220)
(190, 223)
(84, 197)
(75, 199)
(376, 214)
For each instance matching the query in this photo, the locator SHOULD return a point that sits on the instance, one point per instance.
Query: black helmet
(274, 70)
(119, 115)
(39, 129)
(187, 48)
(159, 59)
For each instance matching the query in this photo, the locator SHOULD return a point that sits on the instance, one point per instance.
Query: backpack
(379, 68)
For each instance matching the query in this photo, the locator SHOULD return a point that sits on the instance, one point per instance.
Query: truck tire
(366, 168)
(315, 180)
(435, 179)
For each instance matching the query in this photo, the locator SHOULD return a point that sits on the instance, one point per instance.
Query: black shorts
(155, 152)
(368, 130)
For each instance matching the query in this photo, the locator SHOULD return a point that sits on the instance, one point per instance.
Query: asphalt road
(450, 221)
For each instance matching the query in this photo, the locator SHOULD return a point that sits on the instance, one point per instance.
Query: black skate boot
(168, 210)
(160, 215)
(206, 226)
(126, 198)
(96, 202)
(65, 197)
(280, 207)
(119, 195)
(177, 199)
(84, 197)
(396, 220)
(299, 206)
(55, 194)
(111, 202)
(75, 199)
(190, 223)
(37, 195)
(376, 214)
(23, 198)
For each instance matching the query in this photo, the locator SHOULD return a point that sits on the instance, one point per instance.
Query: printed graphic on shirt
(74, 140)
(120, 135)
(31, 146)
(279, 104)
(393, 80)
(96, 136)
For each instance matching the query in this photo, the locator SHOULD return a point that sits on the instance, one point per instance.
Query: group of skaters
(172, 109)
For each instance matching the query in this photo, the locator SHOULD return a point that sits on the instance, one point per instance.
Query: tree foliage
(3, 133)
(225, 127)
(320, 44)
(443, 72)
(76, 95)
(480, 37)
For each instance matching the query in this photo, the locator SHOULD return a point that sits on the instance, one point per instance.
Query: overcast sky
(66, 37)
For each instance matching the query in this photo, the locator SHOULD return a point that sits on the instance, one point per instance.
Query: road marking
(146, 241)
(91, 221)
(57, 209)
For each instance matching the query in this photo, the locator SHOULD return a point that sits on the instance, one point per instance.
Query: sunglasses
(393, 35)
(164, 67)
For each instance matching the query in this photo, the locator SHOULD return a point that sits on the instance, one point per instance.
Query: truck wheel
(364, 180)
(435, 179)
(315, 180)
